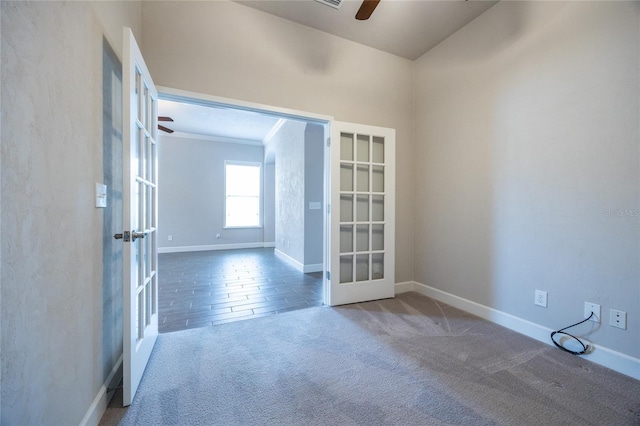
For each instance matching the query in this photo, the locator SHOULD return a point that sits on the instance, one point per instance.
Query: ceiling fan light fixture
(332, 3)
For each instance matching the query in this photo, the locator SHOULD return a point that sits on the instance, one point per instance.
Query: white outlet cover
(540, 298)
(592, 307)
(618, 319)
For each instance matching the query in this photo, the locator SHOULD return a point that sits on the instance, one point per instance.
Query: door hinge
(328, 141)
(328, 276)
(328, 208)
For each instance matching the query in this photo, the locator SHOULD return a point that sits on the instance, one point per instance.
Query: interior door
(140, 218)
(362, 214)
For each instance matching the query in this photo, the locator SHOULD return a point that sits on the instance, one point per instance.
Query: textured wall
(287, 145)
(528, 144)
(229, 50)
(191, 192)
(54, 348)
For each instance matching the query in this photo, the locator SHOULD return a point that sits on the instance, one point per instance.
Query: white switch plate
(315, 206)
(101, 195)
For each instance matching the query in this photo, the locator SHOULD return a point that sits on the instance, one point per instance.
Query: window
(242, 189)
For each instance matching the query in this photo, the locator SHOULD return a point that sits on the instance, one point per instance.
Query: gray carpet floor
(403, 361)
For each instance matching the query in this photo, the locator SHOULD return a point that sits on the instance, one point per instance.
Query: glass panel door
(362, 179)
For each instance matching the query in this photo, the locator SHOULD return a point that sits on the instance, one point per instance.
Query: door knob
(135, 235)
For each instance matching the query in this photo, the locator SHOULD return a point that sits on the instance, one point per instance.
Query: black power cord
(585, 348)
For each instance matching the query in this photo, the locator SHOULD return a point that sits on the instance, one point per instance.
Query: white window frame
(260, 191)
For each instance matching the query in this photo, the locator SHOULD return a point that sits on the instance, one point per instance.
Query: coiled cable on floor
(561, 331)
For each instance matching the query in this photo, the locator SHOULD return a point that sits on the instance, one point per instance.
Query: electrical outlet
(218, 236)
(540, 298)
(618, 319)
(170, 237)
(592, 307)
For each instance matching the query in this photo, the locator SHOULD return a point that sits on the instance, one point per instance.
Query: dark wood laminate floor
(198, 289)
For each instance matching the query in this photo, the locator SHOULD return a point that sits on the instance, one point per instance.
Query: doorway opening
(210, 273)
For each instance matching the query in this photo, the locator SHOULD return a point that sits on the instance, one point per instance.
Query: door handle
(135, 235)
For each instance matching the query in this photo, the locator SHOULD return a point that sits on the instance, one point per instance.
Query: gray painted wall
(313, 193)
(528, 178)
(191, 192)
(59, 308)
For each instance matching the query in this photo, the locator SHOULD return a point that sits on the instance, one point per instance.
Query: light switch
(101, 195)
(315, 206)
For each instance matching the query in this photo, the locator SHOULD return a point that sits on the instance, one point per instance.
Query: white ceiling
(216, 123)
(406, 28)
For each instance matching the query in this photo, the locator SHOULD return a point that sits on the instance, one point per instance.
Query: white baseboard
(601, 355)
(183, 249)
(101, 401)
(316, 267)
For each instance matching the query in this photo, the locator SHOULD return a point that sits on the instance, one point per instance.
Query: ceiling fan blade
(161, 118)
(165, 129)
(366, 9)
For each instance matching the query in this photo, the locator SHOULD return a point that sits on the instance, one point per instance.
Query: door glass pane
(147, 108)
(377, 208)
(153, 112)
(149, 167)
(362, 267)
(346, 146)
(142, 217)
(346, 177)
(147, 305)
(142, 157)
(377, 237)
(149, 208)
(362, 238)
(138, 93)
(346, 238)
(378, 179)
(140, 314)
(378, 149)
(143, 104)
(142, 265)
(362, 178)
(362, 208)
(135, 159)
(153, 164)
(377, 260)
(346, 269)
(346, 208)
(154, 293)
(363, 148)
(147, 262)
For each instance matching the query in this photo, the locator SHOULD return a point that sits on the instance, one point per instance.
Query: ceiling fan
(163, 128)
(366, 9)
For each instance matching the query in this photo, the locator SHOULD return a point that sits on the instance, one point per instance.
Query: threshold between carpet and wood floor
(404, 361)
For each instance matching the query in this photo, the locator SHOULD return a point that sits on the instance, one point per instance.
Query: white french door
(140, 216)
(362, 216)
